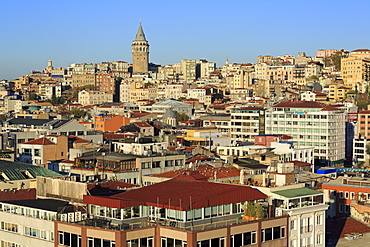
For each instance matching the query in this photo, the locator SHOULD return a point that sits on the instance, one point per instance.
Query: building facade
(310, 123)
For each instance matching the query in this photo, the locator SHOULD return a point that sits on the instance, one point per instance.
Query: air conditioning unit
(63, 217)
(78, 216)
(71, 217)
(84, 216)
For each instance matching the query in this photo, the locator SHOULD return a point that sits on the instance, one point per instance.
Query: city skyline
(81, 32)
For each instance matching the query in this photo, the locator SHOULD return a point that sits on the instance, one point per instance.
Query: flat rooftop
(43, 204)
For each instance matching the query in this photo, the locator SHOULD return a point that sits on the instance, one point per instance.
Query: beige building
(94, 97)
(83, 79)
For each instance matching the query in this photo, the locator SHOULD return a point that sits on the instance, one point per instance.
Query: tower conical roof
(140, 36)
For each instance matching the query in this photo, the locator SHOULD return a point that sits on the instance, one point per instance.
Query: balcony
(305, 229)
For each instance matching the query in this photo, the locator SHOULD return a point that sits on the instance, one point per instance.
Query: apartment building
(345, 192)
(158, 215)
(245, 123)
(306, 209)
(110, 123)
(174, 90)
(363, 126)
(356, 72)
(42, 150)
(310, 123)
(31, 222)
(94, 97)
(105, 82)
(83, 79)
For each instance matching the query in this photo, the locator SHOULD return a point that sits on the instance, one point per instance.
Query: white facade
(307, 213)
(325, 130)
(288, 152)
(124, 92)
(359, 150)
(197, 93)
(140, 148)
(173, 90)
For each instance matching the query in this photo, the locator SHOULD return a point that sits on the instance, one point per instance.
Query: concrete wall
(58, 188)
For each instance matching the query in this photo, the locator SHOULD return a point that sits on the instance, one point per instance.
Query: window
(340, 207)
(292, 224)
(9, 226)
(352, 196)
(273, 233)
(319, 219)
(346, 194)
(319, 238)
(340, 194)
(346, 208)
(70, 239)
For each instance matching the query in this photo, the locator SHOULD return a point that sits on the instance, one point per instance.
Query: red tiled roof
(341, 226)
(25, 194)
(364, 112)
(142, 124)
(197, 158)
(319, 93)
(183, 194)
(300, 163)
(76, 139)
(138, 114)
(358, 50)
(40, 141)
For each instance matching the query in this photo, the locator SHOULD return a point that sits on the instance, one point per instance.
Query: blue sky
(95, 31)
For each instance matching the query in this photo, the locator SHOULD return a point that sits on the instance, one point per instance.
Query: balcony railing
(305, 229)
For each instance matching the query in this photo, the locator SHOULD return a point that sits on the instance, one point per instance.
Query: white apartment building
(359, 149)
(31, 222)
(174, 90)
(306, 208)
(197, 93)
(245, 123)
(288, 152)
(310, 123)
(94, 97)
(124, 92)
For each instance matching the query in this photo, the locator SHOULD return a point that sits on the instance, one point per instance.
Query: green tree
(368, 149)
(57, 100)
(77, 112)
(362, 104)
(314, 77)
(181, 116)
(32, 96)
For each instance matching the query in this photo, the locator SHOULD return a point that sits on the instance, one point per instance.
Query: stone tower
(140, 52)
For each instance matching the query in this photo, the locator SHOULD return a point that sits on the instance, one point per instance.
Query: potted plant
(259, 211)
(250, 211)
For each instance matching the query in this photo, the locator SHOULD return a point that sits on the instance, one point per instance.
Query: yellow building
(338, 92)
(199, 136)
(356, 72)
